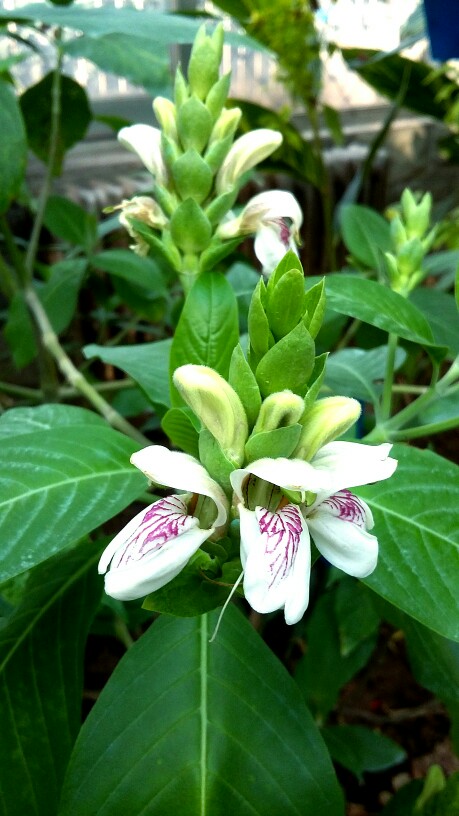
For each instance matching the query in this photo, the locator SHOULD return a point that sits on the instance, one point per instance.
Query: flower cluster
(197, 170)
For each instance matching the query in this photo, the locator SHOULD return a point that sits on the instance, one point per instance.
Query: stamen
(225, 606)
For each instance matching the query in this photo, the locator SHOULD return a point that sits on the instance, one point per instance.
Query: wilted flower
(145, 209)
(284, 501)
(159, 541)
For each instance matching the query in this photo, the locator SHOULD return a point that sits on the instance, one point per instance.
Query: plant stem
(65, 392)
(386, 400)
(51, 343)
(47, 182)
(425, 430)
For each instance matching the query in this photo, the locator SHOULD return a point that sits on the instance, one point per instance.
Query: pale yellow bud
(246, 152)
(328, 419)
(166, 115)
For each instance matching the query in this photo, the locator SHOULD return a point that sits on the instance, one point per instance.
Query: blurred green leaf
(18, 421)
(356, 614)
(72, 223)
(441, 311)
(366, 234)
(361, 750)
(184, 725)
(13, 146)
(354, 372)
(75, 116)
(178, 424)
(41, 669)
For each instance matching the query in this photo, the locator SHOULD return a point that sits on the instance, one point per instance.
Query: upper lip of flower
(158, 542)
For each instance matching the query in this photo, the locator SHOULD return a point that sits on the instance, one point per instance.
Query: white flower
(275, 217)
(157, 543)
(145, 140)
(245, 153)
(145, 209)
(275, 532)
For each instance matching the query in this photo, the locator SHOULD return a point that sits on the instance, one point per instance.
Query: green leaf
(72, 223)
(59, 295)
(424, 93)
(75, 116)
(288, 364)
(366, 234)
(13, 146)
(440, 410)
(356, 614)
(441, 311)
(123, 263)
(190, 593)
(19, 333)
(178, 424)
(381, 307)
(127, 56)
(358, 749)
(57, 485)
(207, 331)
(357, 373)
(416, 515)
(147, 364)
(18, 421)
(315, 307)
(323, 670)
(184, 725)
(242, 379)
(41, 670)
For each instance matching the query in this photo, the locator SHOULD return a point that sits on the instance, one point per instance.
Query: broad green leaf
(288, 364)
(19, 333)
(188, 726)
(128, 56)
(160, 29)
(147, 364)
(275, 443)
(323, 670)
(41, 677)
(75, 116)
(18, 421)
(69, 221)
(59, 295)
(123, 263)
(366, 234)
(207, 331)
(13, 146)
(381, 307)
(357, 373)
(191, 593)
(441, 311)
(359, 749)
(416, 515)
(441, 410)
(57, 485)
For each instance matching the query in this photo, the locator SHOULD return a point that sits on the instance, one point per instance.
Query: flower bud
(246, 152)
(165, 113)
(205, 61)
(279, 410)
(226, 124)
(328, 419)
(217, 96)
(146, 142)
(217, 405)
(190, 229)
(194, 124)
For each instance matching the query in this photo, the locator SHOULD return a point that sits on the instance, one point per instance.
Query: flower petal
(349, 464)
(151, 550)
(145, 140)
(276, 559)
(272, 241)
(291, 474)
(182, 472)
(339, 527)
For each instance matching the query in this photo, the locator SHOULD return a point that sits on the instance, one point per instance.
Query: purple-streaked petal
(276, 560)
(339, 527)
(181, 472)
(350, 464)
(151, 550)
(272, 241)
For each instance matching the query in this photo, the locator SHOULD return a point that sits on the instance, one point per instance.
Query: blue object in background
(443, 27)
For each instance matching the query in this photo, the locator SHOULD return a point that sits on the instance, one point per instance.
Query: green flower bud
(328, 419)
(220, 206)
(166, 200)
(397, 233)
(217, 96)
(217, 405)
(226, 124)
(392, 269)
(279, 410)
(285, 305)
(169, 150)
(205, 61)
(194, 124)
(410, 257)
(192, 176)
(190, 229)
(217, 152)
(166, 115)
(181, 92)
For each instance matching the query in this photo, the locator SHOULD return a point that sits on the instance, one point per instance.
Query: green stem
(74, 377)
(324, 188)
(32, 248)
(8, 282)
(386, 400)
(65, 392)
(425, 430)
